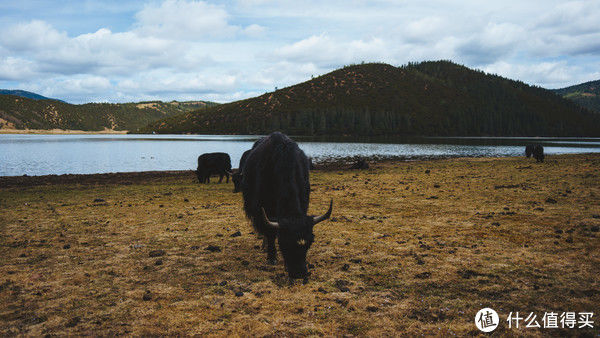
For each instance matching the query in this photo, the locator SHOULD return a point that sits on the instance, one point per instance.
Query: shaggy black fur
(529, 150)
(236, 177)
(213, 164)
(275, 177)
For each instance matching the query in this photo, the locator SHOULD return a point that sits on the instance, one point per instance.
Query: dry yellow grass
(412, 248)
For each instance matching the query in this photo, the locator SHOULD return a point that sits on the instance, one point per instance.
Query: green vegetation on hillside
(23, 113)
(429, 98)
(24, 93)
(586, 95)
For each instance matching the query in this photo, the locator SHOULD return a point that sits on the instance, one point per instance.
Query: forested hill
(429, 98)
(24, 93)
(17, 112)
(586, 94)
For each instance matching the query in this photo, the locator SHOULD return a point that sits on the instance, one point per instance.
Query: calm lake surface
(87, 154)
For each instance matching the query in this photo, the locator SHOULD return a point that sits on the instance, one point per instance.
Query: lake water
(86, 154)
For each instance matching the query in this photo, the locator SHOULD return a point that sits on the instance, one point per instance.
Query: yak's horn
(273, 224)
(325, 216)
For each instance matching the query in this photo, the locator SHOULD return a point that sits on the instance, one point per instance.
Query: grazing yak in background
(529, 150)
(535, 150)
(213, 164)
(276, 188)
(360, 164)
(538, 153)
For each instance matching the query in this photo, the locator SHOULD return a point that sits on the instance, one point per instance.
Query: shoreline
(60, 131)
(135, 176)
(342, 164)
(123, 178)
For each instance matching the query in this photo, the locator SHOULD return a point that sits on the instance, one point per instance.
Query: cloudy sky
(121, 51)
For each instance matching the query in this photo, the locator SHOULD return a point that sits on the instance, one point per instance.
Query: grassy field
(411, 248)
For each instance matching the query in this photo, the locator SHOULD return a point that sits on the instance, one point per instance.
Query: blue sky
(122, 51)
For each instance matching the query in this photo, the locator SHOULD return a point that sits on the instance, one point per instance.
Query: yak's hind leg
(271, 250)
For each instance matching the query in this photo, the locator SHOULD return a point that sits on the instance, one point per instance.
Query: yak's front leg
(263, 246)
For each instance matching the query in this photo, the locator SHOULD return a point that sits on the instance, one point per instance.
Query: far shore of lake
(60, 131)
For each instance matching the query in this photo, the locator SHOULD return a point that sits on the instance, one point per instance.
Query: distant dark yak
(538, 153)
(535, 150)
(276, 189)
(360, 164)
(213, 164)
(529, 150)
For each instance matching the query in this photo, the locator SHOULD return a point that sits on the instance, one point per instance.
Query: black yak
(213, 164)
(276, 188)
(529, 150)
(360, 164)
(535, 150)
(538, 153)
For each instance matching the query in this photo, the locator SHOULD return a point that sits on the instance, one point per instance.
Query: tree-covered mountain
(429, 98)
(586, 94)
(17, 112)
(24, 93)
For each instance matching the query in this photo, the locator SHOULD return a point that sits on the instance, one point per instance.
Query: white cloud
(494, 42)
(175, 49)
(80, 87)
(12, 69)
(32, 36)
(188, 20)
(572, 17)
(326, 51)
(423, 29)
(284, 73)
(86, 84)
(550, 74)
(164, 82)
(254, 30)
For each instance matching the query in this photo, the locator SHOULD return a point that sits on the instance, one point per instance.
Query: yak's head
(295, 237)
(236, 177)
